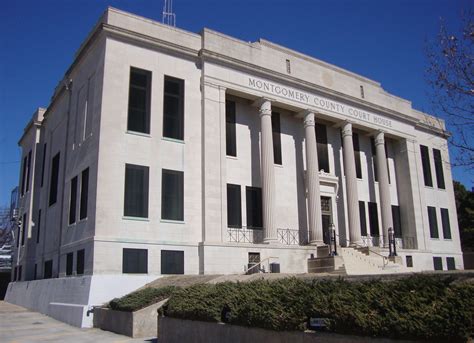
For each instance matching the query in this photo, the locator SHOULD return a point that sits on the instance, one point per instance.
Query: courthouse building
(170, 152)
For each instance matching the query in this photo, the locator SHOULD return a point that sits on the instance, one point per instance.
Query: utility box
(274, 267)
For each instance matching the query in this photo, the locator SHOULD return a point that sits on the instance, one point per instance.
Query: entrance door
(326, 218)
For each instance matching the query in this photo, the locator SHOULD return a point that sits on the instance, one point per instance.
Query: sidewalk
(18, 324)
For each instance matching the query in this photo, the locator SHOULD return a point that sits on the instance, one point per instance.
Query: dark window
(254, 207)
(409, 261)
(136, 191)
(23, 175)
(135, 261)
(397, 221)
(439, 168)
(48, 269)
(276, 138)
(322, 145)
(363, 219)
(80, 262)
(15, 274)
(230, 133)
(172, 262)
(446, 225)
(84, 193)
(173, 108)
(43, 163)
(35, 276)
(172, 195)
(234, 206)
(18, 236)
(425, 161)
(374, 159)
(20, 273)
(53, 187)
(73, 201)
(433, 222)
(139, 101)
(438, 263)
(69, 263)
(28, 172)
(24, 227)
(38, 231)
(373, 219)
(451, 263)
(355, 141)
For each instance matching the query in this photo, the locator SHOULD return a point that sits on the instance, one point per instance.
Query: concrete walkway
(18, 324)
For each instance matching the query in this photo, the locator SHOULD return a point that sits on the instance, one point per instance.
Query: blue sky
(382, 40)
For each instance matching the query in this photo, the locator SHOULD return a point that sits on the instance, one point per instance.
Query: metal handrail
(259, 264)
(384, 258)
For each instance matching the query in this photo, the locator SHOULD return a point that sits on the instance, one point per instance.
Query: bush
(418, 307)
(141, 298)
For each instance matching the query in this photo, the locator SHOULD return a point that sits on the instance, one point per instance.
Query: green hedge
(417, 307)
(141, 298)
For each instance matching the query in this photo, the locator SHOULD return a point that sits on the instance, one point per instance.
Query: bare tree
(451, 76)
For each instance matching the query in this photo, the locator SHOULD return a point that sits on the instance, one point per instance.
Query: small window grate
(362, 95)
(288, 67)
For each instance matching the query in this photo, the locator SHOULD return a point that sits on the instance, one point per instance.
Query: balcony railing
(255, 236)
(290, 237)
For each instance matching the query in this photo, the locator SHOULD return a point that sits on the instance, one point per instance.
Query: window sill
(170, 221)
(70, 226)
(82, 220)
(448, 239)
(231, 157)
(139, 219)
(278, 165)
(434, 239)
(174, 140)
(136, 133)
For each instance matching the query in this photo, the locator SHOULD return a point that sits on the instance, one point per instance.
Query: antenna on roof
(169, 18)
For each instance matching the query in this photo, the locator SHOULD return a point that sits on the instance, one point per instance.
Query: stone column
(267, 172)
(312, 178)
(351, 184)
(384, 187)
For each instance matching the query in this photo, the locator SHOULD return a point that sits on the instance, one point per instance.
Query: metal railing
(258, 266)
(245, 235)
(290, 237)
(360, 246)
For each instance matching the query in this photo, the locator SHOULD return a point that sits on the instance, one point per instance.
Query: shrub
(141, 298)
(417, 307)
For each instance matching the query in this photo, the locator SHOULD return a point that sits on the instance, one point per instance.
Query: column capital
(379, 138)
(308, 118)
(264, 106)
(346, 129)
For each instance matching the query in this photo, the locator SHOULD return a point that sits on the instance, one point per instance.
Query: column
(267, 172)
(384, 187)
(312, 178)
(351, 184)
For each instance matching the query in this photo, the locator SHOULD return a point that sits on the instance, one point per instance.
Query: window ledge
(82, 220)
(231, 157)
(140, 219)
(70, 226)
(170, 221)
(434, 239)
(278, 165)
(174, 140)
(136, 133)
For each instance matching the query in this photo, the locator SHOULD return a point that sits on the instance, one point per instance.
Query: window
(254, 207)
(397, 223)
(15, 274)
(80, 262)
(433, 222)
(409, 259)
(288, 67)
(451, 263)
(136, 191)
(139, 101)
(53, 186)
(72, 201)
(24, 227)
(322, 146)
(35, 275)
(276, 138)
(230, 129)
(425, 161)
(38, 231)
(363, 219)
(84, 193)
(28, 172)
(43, 163)
(20, 273)
(172, 195)
(355, 141)
(373, 219)
(172, 262)
(437, 263)
(23, 177)
(439, 168)
(445, 222)
(69, 263)
(173, 108)
(48, 269)
(374, 158)
(234, 206)
(135, 261)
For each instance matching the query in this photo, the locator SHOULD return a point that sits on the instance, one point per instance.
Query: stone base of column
(272, 241)
(317, 243)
